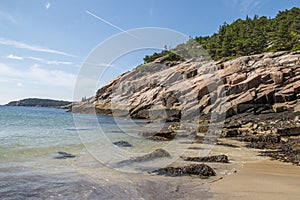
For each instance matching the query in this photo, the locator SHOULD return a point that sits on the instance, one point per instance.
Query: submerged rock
(201, 170)
(64, 155)
(122, 144)
(158, 153)
(217, 158)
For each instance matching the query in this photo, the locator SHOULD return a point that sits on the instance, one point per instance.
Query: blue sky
(44, 43)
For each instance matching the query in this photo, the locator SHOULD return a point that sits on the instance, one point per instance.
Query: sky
(44, 44)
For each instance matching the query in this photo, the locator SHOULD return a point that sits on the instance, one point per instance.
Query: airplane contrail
(107, 22)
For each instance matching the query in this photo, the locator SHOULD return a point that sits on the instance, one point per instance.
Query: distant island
(35, 102)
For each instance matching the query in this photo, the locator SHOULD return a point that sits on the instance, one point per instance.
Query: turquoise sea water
(31, 137)
(27, 131)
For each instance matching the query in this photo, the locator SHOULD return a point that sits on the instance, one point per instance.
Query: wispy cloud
(245, 6)
(8, 17)
(107, 22)
(22, 45)
(14, 57)
(47, 5)
(249, 5)
(38, 75)
(50, 62)
(97, 64)
(41, 60)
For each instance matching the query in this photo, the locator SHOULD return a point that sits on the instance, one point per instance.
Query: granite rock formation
(187, 90)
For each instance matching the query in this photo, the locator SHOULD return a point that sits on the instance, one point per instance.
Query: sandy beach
(249, 176)
(263, 179)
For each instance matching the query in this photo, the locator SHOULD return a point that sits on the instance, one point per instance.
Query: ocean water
(30, 139)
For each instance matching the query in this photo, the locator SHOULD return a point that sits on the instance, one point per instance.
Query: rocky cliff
(187, 90)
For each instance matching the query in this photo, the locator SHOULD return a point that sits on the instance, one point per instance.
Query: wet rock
(230, 124)
(217, 158)
(201, 170)
(164, 136)
(64, 155)
(122, 144)
(289, 131)
(270, 138)
(289, 151)
(196, 148)
(230, 133)
(262, 145)
(158, 153)
(227, 145)
(203, 129)
(263, 141)
(279, 108)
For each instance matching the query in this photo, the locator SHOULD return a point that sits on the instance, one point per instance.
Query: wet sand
(247, 176)
(262, 179)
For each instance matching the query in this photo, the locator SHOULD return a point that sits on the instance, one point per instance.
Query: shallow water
(31, 137)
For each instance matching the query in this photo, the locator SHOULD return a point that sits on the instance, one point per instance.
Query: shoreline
(246, 176)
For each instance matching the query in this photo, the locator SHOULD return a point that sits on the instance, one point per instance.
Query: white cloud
(22, 45)
(14, 57)
(47, 5)
(38, 75)
(50, 62)
(8, 17)
(41, 60)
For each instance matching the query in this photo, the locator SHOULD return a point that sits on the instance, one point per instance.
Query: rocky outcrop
(276, 131)
(217, 158)
(263, 141)
(262, 128)
(289, 151)
(187, 90)
(201, 170)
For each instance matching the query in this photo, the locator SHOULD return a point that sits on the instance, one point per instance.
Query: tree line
(245, 37)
